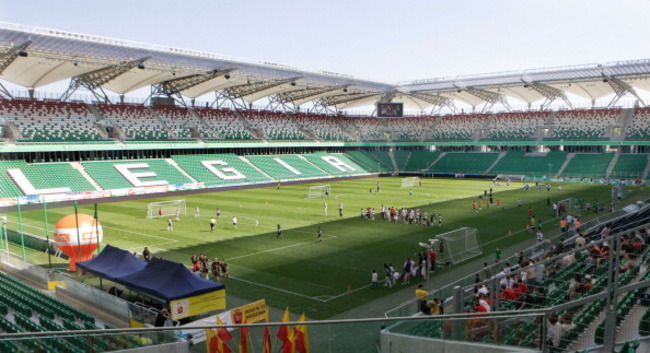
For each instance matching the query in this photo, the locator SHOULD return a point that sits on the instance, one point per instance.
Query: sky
(387, 41)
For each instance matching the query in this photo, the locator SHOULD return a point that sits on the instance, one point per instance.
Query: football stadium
(251, 206)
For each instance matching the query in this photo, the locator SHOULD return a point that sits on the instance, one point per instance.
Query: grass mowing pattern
(299, 271)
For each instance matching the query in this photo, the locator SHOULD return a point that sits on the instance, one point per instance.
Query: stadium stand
(192, 164)
(55, 175)
(420, 160)
(366, 160)
(516, 126)
(584, 124)
(327, 128)
(275, 125)
(458, 127)
(530, 164)
(180, 121)
(629, 166)
(639, 128)
(50, 121)
(470, 162)
(588, 165)
(107, 176)
(135, 121)
(225, 124)
(7, 187)
(401, 158)
(368, 128)
(383, 157)
(271, 166)
(409, 128)
(318, 159)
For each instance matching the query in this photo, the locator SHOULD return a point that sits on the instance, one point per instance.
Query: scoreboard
(390, 110)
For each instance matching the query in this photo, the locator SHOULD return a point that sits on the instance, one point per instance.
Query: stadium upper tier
(130, 177)
(33, 57)
(30, 121)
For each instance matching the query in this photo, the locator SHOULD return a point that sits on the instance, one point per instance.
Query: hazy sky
(388, 41)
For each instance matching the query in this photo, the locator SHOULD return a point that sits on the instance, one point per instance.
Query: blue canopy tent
(158, 278)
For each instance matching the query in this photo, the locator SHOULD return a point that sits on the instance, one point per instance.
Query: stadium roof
(33, 57)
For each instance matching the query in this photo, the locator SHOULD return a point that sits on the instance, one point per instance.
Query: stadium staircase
(400, 159)
(77, 166)
(626, 119)
(588, 165)
(366, 160)
(501, 155)
(440, 156)
(249, 163)
(568, 159)
(612, 164)
(391, 155)
(548, 126)
(646, 171)
(181, 170)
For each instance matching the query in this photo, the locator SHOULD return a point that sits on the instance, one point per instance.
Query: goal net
(410, 182)
(509, 177)
(318, 191)
(166, 208)
(569, 206)
(619, 192)
(459, 245)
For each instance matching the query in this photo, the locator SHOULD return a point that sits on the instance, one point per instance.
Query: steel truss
(292, 97)
(9, 57)
(550, 93)
(94, 80)
(241, 91)
(173, 88)
(620, 88)
(439, 102)
(344, 98)
(490, 98)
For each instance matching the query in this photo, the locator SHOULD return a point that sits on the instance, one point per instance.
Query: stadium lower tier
(126, 177)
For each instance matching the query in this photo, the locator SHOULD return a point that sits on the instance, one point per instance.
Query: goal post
(459, 245)
(166, 208)
(410, 182)
(318, 191)
(619, 192)
(569, 206)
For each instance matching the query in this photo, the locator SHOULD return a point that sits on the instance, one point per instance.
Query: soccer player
(170, 224)
(320, 234)
(160, 212)
(234, 222)
(378, 187)
(439, 220)
(325, 208)
(411, 193)
(178, 215)
(474, 207)
(279, 236)
(197, 212)
(218, 213)
(213, 222)
(498, 202)
(340, 209)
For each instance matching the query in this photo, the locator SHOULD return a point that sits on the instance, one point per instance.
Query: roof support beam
(9, 57)
(621, 88)
(173, 88)
(244, 90)
(490, 98)
(439, 102)
(345, 98)
(94, 80)
(292, 97)
(551, 94)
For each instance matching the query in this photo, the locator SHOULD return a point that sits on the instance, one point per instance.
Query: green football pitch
(297, 270)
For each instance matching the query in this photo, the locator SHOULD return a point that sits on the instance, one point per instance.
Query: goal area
(166, 208)
(318, 191)
(410, 182)
(619, 192)
(459, 245)
(569, 207)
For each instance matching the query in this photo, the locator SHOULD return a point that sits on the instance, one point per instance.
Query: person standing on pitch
(234, 222)
(197, 212)
(320, 234)
(279, 236)
(170, 224)
(325, 208)
(213, 222)
(340, 209)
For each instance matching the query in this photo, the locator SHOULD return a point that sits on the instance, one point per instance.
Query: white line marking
(280, 248)
(277, 289)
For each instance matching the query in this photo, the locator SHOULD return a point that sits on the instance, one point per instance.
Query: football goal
(166, 208)
(318, 191)
(569, 206)
(410, 182)
(619, 192)
(459, 245)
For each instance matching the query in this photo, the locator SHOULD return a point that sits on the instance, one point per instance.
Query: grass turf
(298, 271)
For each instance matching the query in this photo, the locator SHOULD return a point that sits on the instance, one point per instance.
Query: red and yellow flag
(223, 336)
(301, 340)
(266, 341)
(243, 341)
(283, 331)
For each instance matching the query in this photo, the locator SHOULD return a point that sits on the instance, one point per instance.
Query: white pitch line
(143, 234)
(278, 249)
(346, 293)
(277, 289)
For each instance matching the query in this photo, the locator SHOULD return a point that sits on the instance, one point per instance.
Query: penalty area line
(277, 289)
(278, 249)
